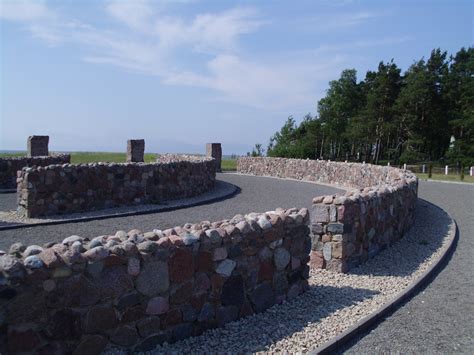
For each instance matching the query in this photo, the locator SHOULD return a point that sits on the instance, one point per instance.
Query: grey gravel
(440, 319)
(258, 194)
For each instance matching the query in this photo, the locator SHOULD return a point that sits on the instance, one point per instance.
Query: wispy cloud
(24, 11)
(149, 39)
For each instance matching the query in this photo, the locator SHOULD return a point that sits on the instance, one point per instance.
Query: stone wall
(61, 189)
(137, 290)
(10, 166)
(347, 229)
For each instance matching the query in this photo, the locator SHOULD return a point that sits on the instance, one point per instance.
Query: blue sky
(92, 74)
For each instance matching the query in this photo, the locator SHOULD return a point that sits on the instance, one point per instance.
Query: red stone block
(316, 260)
(173, 316)
(22, 341)
(181, 265)
(266, 270)
(204, 261)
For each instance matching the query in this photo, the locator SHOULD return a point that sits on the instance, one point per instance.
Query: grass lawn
(94, 157)
(443, 177)
(229, 165)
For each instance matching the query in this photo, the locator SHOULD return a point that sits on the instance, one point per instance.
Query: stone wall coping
(21, 261)
(398, 179)
(109, 164)
(42, 157)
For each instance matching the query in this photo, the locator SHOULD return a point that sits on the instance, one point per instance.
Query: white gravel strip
(334, 301)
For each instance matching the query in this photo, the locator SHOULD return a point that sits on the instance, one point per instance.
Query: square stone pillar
(214, 150)
(136, 150)
(37, 146)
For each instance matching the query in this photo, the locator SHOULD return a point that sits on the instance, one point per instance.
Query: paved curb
(378, 316)
(234, 191)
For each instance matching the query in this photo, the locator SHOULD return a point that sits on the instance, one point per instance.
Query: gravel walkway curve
(440, 319)
(258, 194)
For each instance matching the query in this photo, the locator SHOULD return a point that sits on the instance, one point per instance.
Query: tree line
(424, 114)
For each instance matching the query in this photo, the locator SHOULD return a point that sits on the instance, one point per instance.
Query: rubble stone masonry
(347, 229)
(10, 166)
(137, 290)
(64, 189)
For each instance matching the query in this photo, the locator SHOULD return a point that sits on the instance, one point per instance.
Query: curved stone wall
(61, 189)
(137, 290)
(10, 166)
(347, 229)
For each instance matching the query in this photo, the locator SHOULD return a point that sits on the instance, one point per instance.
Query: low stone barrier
(348, 229)
(137, 290)
(61, 189)
(10, 166)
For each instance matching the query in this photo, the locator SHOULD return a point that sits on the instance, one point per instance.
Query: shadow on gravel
(9, 224)
(404, 256)
(8, 201)
(310, 307)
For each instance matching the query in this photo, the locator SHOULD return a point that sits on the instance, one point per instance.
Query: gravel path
(8, 201)
(440, 319)
(258, 194)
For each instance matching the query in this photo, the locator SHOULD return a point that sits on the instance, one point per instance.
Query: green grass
(94, 157)
(91, 157)
(443, 177)
(229, 165)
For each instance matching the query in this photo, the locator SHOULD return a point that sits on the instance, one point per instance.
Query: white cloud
(135, 14)
(24, 11)
(204, 33)
(148, 39)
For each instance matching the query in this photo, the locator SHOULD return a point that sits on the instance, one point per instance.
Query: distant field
(94, 157)
(229, 164)
(443, 177)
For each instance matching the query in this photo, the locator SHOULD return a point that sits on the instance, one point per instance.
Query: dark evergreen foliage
(426, 114)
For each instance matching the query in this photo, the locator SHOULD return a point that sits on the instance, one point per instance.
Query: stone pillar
(136, 150)
(214, 150)
(37, 146)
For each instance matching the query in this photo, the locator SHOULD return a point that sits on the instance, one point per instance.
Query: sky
(179, 74)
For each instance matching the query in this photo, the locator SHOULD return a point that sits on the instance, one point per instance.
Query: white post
(446, 170)
(405, 166)
(345, 161)
(423, 167)
(388, 164)
(363, 162)
(471, 171)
